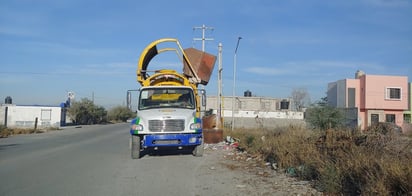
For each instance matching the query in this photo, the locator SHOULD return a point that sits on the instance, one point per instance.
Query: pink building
(371, 98)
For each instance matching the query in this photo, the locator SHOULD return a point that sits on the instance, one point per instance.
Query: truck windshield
(166, 98)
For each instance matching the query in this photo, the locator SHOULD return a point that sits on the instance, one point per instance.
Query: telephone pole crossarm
(203, 38)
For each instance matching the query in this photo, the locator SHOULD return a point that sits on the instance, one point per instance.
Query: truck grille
(166, 125)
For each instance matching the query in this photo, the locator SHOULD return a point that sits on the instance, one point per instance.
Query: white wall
(266, 104)
(341, 94)
(252, 107)
(25, 116)
(255, 114)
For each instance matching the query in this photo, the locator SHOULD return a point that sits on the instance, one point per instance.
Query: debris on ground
(258, 176)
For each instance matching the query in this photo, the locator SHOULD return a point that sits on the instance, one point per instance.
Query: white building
(261, 107)
(25, 116)
(252, 112)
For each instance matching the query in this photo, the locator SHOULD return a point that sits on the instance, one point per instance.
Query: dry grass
(339, 161)
(5, 132)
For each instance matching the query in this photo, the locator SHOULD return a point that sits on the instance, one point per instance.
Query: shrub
(120, 113)
(86, 112)
(324, 117)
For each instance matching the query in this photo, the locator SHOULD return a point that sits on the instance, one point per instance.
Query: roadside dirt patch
(230, 172)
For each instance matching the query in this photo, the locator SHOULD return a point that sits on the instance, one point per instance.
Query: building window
(390, 118)
(265, 105)
(374, 119)
(242, 104)
(407, 118)
(351, 97)
(393, 93)
(46, 114)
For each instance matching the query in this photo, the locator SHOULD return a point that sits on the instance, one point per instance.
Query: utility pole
(219, 87)
(203, 38)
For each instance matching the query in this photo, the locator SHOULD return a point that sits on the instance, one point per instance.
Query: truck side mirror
(203, 92)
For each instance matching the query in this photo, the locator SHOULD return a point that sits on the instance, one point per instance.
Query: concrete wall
(25, 116)
(262, 114)
(256, 112)
(246, 103)
(341, 96)
(353, 83)
(332, 94)
(262, 123)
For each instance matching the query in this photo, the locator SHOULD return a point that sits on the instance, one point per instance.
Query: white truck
(170, 103)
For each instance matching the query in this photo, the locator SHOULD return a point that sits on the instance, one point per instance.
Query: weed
(249, 140)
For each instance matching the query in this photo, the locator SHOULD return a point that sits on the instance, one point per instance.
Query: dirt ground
(229, 172)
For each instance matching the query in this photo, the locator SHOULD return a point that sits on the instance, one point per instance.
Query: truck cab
(167, 117)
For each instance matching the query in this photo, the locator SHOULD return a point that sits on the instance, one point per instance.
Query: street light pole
(219, 92)
(234, 83)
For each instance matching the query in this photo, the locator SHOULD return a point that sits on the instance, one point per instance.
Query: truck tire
(198, 150)
(135, 151)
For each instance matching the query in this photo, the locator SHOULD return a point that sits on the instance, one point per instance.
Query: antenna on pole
(203, 38)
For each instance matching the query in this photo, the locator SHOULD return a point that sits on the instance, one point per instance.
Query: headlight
(195, 126)
(137, 127)
(192, 140)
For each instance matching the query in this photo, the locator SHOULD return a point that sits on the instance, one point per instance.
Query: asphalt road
(95, 160)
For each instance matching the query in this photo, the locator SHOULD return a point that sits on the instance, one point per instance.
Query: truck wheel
(198, 151)
(135, 151)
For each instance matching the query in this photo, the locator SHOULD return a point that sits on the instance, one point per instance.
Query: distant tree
(323, 101)
(300, 98)
(85, 112)
(322, 116)
(120, 113)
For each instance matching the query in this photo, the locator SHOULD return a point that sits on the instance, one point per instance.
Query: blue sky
(91, 47)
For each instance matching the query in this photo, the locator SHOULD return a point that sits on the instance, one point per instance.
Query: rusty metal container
(202, 62)
(211, 134)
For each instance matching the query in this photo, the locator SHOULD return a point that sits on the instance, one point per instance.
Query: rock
(301, 183)
(274, 166)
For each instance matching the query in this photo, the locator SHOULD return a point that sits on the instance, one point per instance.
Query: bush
(86, 112)
(324, 117)
(120, 113)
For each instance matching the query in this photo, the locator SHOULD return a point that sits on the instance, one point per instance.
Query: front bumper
(158, 140)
